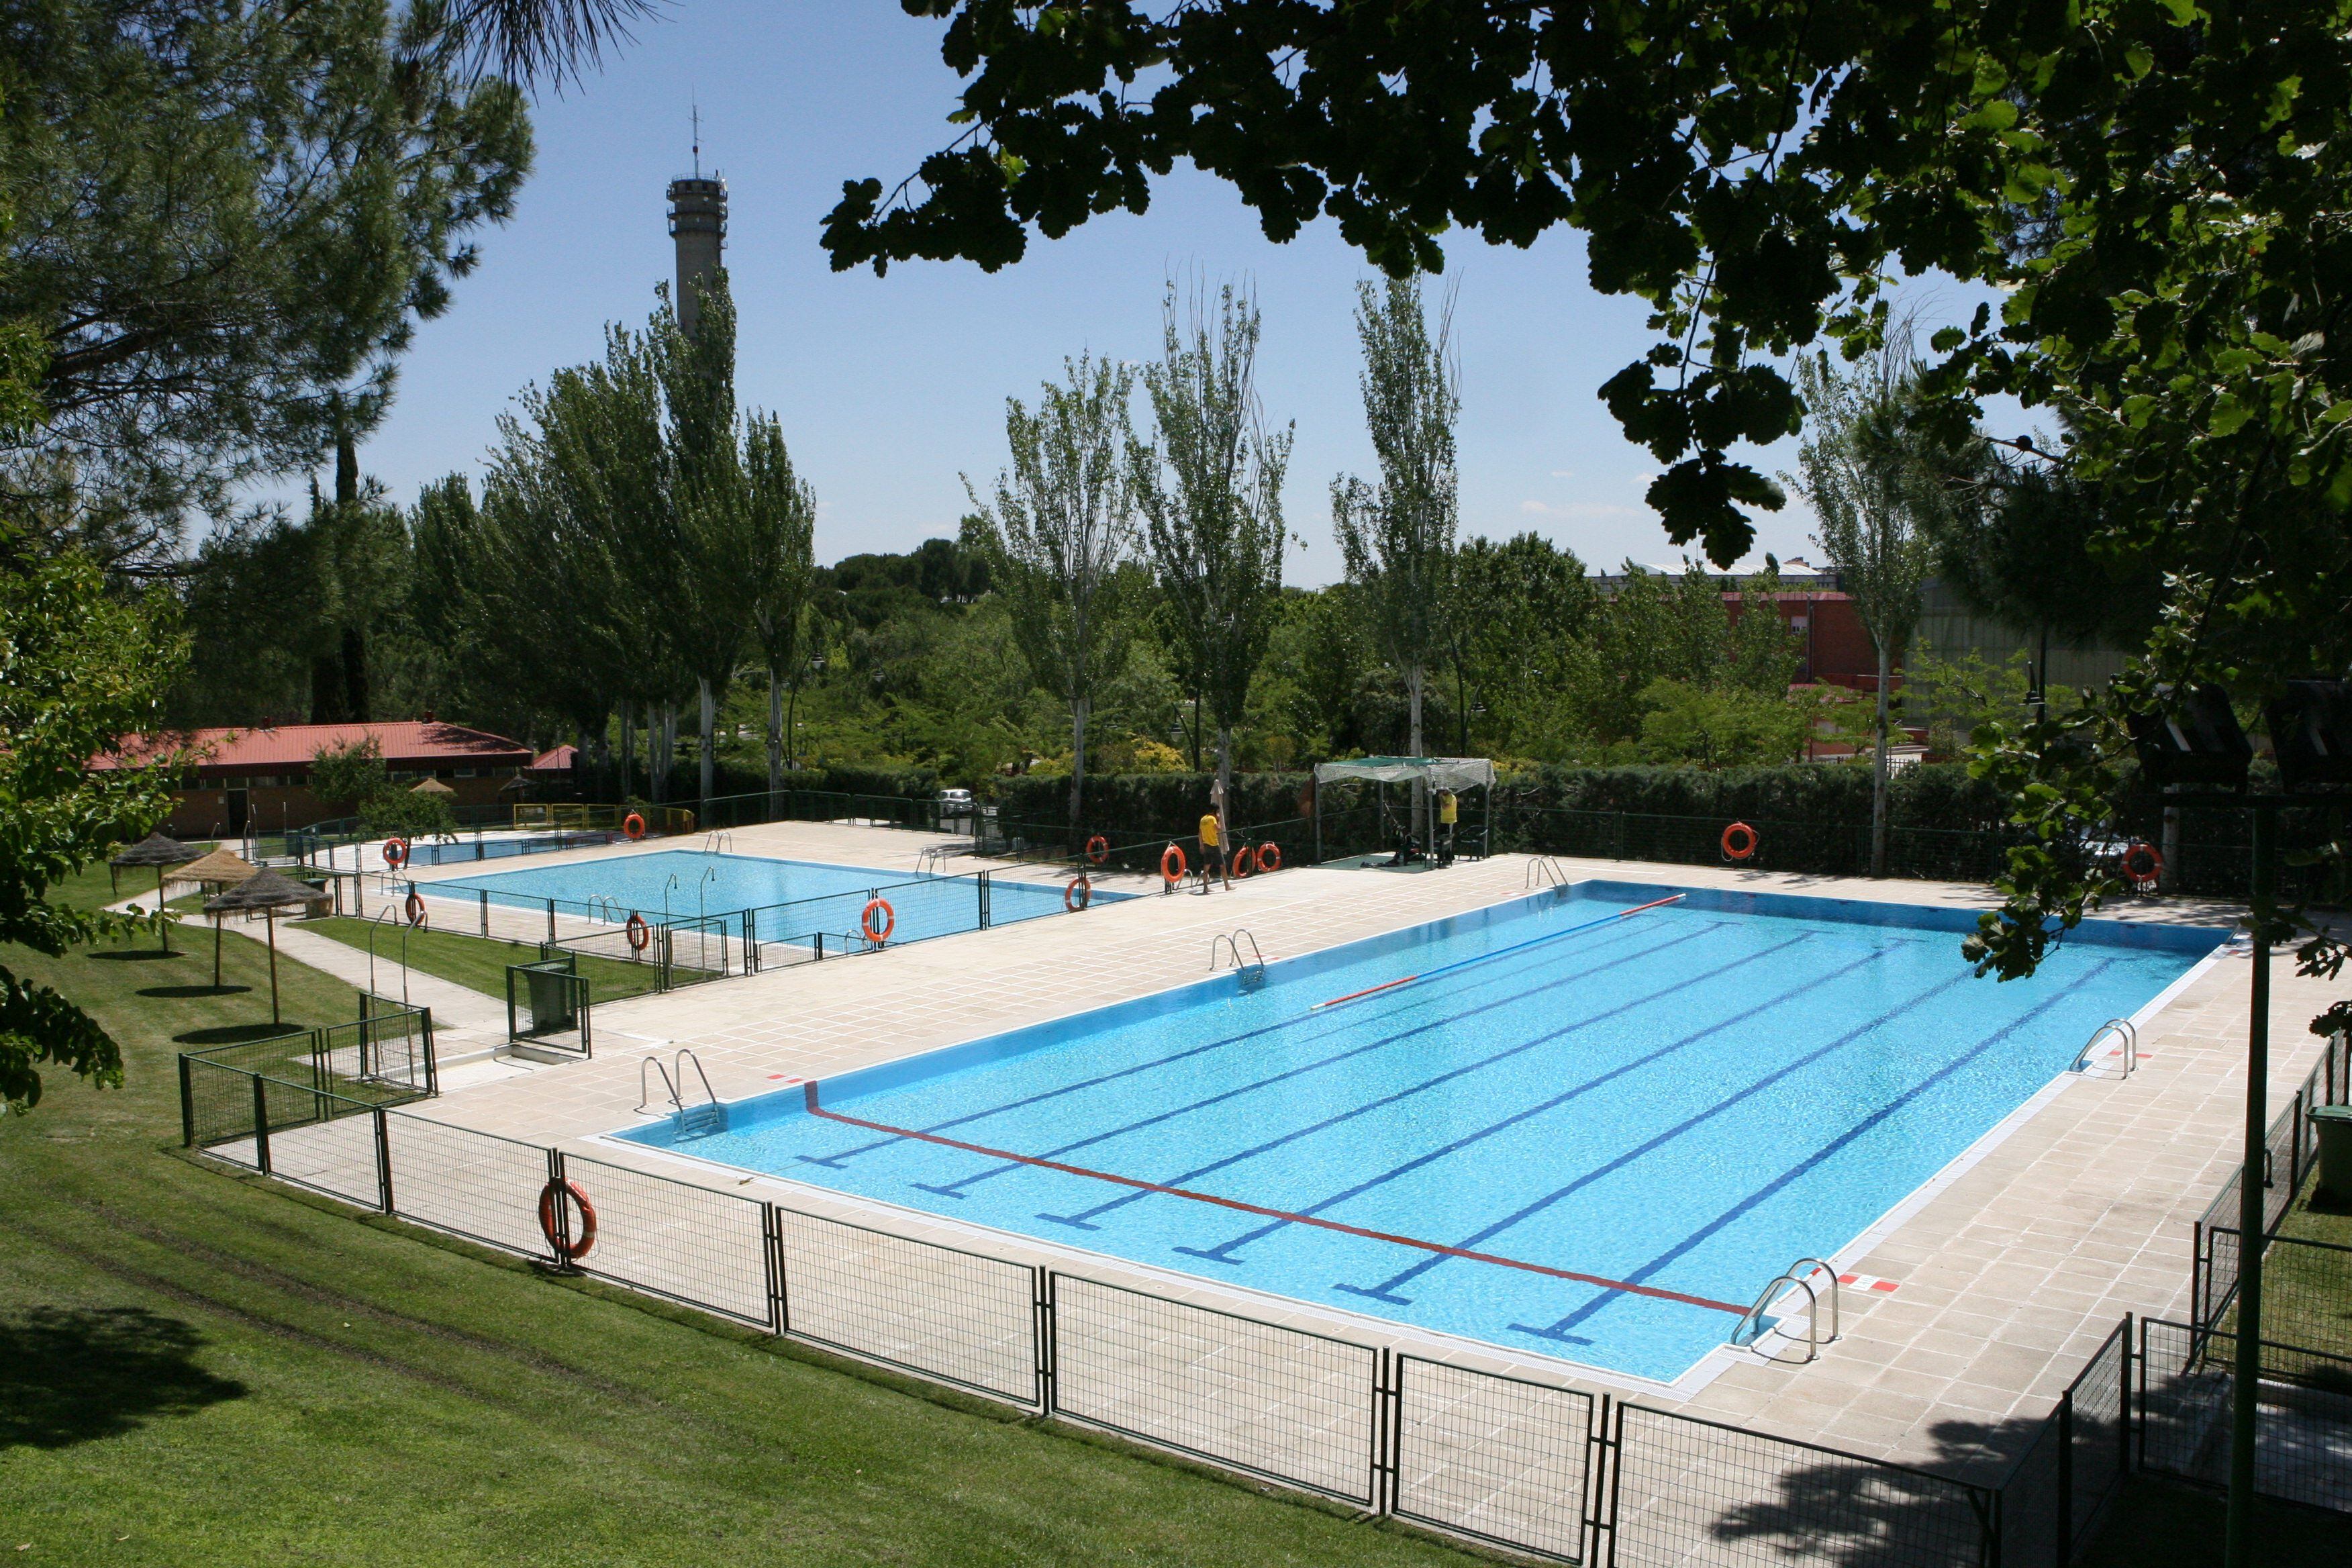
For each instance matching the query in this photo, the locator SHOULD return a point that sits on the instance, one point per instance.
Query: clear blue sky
(888, 388)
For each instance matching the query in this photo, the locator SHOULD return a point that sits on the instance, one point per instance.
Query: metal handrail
(685, 1057)
(1547, 870)
(644, 1091)
(1798, 1276)
(1235, 944)
(2124, 1031)
(720, 843)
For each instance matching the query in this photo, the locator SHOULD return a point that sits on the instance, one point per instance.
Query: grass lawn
(479, 965)
(198, 1368)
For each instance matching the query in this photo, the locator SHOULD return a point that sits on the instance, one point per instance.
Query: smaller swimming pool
(792, 898)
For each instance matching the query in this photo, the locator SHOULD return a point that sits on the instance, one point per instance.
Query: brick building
(258, 779)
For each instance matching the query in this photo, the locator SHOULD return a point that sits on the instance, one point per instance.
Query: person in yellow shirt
(1213, 851)
(1449, 812)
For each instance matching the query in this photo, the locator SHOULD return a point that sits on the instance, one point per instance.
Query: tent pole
(270, 920)
(1317, 777)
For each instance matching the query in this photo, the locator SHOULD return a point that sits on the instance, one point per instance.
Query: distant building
(258, 779)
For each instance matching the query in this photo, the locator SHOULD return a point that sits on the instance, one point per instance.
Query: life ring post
(1738, 841)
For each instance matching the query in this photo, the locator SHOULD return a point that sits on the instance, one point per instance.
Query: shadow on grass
(75, 1376)
(137, 955)
(234, 1033)
(185, 993)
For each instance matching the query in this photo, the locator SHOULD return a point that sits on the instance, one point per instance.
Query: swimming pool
(685, 884)
(1588, 1128)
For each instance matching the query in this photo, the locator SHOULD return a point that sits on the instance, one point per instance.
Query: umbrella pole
(270, 919)
(217, 951)
(162, 925)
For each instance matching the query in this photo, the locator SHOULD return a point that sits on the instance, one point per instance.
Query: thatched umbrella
(432, 786)
(159, 852)
(215, 871)
(267, 892)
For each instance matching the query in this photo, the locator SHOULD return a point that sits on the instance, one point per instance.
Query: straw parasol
(159, 852)
(432, 786)
(215, 871)
(267, 892)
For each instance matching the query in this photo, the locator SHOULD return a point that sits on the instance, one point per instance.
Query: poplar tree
(1396, 536)
(1208, 486)
(1061, 526)
(1869, 470)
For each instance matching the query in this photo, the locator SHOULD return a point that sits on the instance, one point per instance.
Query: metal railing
(2290, 1152)
(2126, 1035)
(1531, 1464)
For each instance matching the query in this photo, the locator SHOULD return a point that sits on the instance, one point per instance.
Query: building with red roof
(258, 779)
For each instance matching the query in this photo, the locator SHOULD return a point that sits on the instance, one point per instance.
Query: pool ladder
(695, 1120)
(2127, 1034)
(1544, 870)
(1252, 969)
(718, 843)
(1798, 1276)
(934, 859)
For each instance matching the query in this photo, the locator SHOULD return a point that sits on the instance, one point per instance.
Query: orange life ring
(395, 852)
(414, 909)
(2150, 863)
(1244, 862)
(1746, 845)
(1098, 850)
(639, 933)
(634, 825)
(1269, 856)
(1078, 894)
(550, 1195)
(889, 922)
(1174, 852)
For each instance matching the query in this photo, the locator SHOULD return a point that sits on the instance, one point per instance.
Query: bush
(345, 778)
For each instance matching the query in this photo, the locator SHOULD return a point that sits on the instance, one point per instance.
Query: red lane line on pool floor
(1600, 1280)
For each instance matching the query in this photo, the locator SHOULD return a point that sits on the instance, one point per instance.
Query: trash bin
(2332, 1123)
(551, 991)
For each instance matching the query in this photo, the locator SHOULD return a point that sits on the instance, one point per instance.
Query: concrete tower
(697, 222)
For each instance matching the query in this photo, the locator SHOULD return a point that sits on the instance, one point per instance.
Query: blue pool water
(1687, 1099)
(823, 897)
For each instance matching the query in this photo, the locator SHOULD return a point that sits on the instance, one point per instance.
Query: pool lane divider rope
(1482, 957)
(1601, 1280)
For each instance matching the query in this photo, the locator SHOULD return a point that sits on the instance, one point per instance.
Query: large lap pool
(1597, 1141)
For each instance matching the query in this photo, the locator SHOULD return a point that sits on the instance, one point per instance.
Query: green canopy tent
(267, 892)
(161, 853)
(1430, 773)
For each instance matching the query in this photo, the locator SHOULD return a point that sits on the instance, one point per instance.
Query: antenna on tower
(697, 140)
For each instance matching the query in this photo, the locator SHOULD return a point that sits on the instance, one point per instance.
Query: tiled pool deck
(2006, 1277)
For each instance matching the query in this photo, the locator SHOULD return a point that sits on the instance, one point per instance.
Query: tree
(349, 776)
(780, 511)
(1209, 487)
(1874, 482)
(1397, 536)
(1061, 526)
(705, 527)
(1515, 606)
(84, 670)
(230, 218)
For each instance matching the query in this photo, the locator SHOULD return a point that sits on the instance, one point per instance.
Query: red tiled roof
(561, 759)
(406, 743)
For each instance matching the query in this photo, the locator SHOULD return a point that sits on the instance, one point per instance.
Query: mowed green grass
(198, 1368)
(478, 963)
